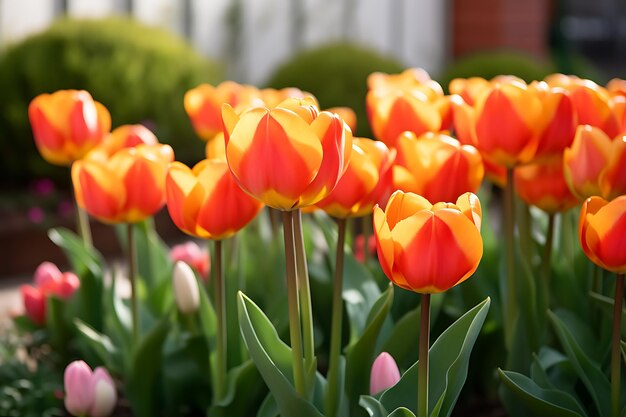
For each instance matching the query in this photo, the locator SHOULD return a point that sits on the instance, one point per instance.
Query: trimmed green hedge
(336, 74)
(139, 73)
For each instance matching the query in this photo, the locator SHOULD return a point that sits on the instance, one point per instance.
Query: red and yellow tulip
(436, 166)
(289, 156)
(67, 124)
(126, 187)
(366, 182)
(542, 184)
(206, 201)
(612, 179)
(125, 136)
(585, 160)
(428, 248)
(602, 232)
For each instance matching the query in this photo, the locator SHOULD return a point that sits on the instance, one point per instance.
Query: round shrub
(139, 73)
(336, 74)
(493, 63)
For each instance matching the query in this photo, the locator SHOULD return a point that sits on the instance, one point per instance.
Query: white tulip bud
(186, 292)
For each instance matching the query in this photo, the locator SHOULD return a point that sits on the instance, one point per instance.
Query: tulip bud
(186, 290)
(104, 394)
(78, 392)
(45, 274)
(192, 254)
(34, 303)
(385, 373)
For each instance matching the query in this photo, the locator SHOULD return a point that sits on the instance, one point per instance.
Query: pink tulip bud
(34, 303)
(193, 255)
(78, 389)
(104, 394)
(67, 285)
(46, 274)
(186, 291)
(385, 373)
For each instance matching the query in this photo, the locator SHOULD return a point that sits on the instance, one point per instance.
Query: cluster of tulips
(555, 143)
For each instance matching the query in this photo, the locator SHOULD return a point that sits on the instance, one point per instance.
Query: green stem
(510, 306)
(596, 284)
(547, 257)
(305, 293)
(220, 311)
(294, 307)
(615, 347)
(367, 231)
(337, 319)
(82, 223)
(132, 278)
(422, 384)
(190, 323)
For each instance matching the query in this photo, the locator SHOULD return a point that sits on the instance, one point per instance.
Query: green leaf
(118, 319)
(244, 393)
(273, 359)
(360, 354)
(588, 370)
(101, 345)
(81, 257)
(540, 401)
(153, 261)
(373, 407)
(401, 412)
(606, 303)
(449, 360)
(142, 384)
(360, 292)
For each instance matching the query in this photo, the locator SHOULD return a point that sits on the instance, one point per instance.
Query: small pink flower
(78, 388)
(193, 255)
(89, 393)
(47, 275)
(359, 247)
(67, 286)
(385, 373)
(36, 215)
(34, 304)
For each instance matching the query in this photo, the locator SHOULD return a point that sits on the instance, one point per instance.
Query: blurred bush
(139, 73)
(336, 74)
(489, 64)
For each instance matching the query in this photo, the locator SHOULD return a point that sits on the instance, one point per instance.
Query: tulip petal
(606, 234)
(402, 205)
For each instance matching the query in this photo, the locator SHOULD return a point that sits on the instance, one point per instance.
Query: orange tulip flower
(428, 248)
(612, 179)
(273, 97)
(593, 106)
(125, 136)
(602, 232)
(203, 105)
(469, 88)
(617, 87)
(367, 181)
(437, 166)
(67, 124)
(559, 121)
(506, 123)
(127, 187)
(347, 115)
(206, 201)
(584, 161)
(406, 80)
(392, 112)
(290, 156)
(542, 184)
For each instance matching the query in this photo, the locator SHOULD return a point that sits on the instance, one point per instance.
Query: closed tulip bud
(127, 187)
(206, 201)
(67, 285)
(443, 239)
(602, 232)
(104, 394)
(67, 124)
(437, 166)
(34, 304)
(288, 157)
(543, 185)
(186, 292)
(79, 395)
(385, 373)
(46, 274)
(584, 161)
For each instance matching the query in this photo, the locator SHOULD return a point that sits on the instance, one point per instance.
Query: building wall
(413, 31)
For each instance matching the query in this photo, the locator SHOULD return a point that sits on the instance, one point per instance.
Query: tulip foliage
(460, 217)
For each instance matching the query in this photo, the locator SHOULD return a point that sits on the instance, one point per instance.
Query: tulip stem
(547, 257)
(294, 307)
(82, 223)
(132, 278)
(305, 293)
(337, 321)
(367, 230)
(510, 306)
(422, 384)
(220, 311)
(615, 348)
